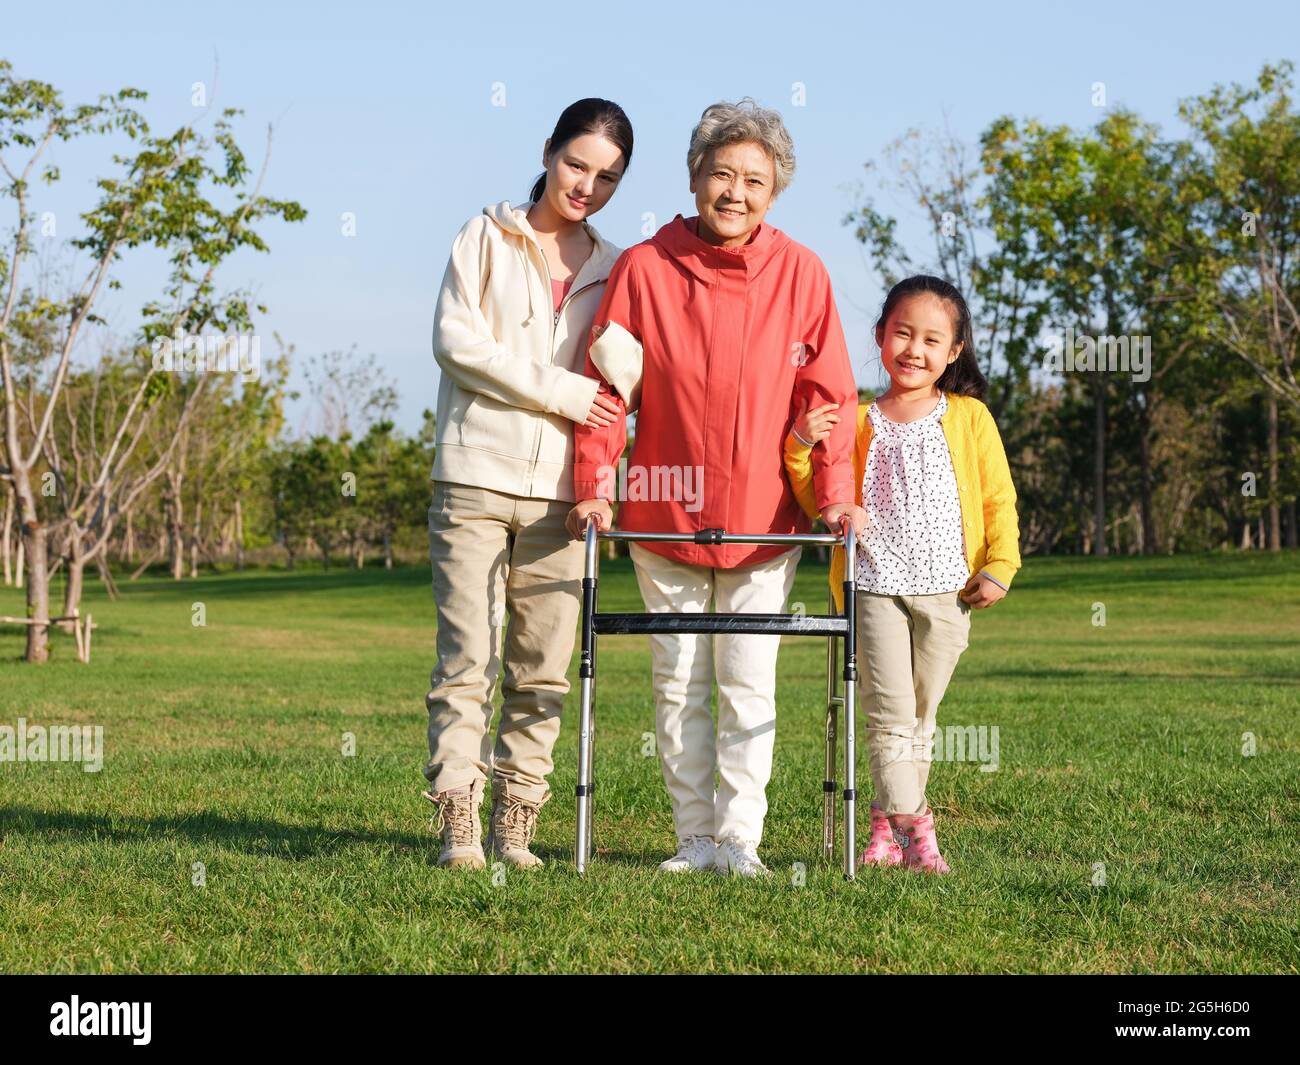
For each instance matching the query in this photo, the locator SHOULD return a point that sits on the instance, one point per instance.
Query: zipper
(537, 431)
(555, 321)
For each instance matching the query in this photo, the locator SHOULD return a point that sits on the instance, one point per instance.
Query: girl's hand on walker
(981, 592)
(815, 425)
(576, 522)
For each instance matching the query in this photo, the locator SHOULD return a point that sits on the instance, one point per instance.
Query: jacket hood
(514, 221)
(701, 259)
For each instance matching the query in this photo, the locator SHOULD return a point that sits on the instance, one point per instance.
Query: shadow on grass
(563, 856)
(255, 836)
(253, 583)
(259, 836)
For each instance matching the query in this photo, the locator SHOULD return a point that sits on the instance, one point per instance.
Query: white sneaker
(740, 858)
(695, 853)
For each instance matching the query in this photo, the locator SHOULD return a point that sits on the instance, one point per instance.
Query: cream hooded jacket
(512, 368)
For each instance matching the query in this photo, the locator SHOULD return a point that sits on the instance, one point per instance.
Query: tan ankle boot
(458, 822)
(514, 820)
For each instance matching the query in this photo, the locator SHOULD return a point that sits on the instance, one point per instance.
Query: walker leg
(586, 725)
(850, 714)
(582, 844)
(829, 785)
(591, 753)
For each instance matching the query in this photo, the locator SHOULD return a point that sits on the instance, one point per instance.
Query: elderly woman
(716, 332)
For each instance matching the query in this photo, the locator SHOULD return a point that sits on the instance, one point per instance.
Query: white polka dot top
(913, 544)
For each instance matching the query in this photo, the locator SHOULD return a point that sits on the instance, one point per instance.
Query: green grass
(1119, 744)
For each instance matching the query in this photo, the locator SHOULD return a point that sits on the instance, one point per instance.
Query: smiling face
(917, 342)
(582, 175)
(733, 191)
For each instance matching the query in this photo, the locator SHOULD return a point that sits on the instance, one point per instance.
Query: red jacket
(713, 348)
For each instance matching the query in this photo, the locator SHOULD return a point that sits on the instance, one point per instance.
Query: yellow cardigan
(987, 496)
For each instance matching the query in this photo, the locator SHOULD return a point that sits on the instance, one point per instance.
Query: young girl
(509, 331)
(937, 536)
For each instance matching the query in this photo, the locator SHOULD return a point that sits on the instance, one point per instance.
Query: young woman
(509, 335)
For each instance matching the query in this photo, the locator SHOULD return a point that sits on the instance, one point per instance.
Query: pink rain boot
(916, 838)
(883, 849)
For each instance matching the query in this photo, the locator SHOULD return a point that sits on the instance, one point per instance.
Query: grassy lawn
(1119, 744)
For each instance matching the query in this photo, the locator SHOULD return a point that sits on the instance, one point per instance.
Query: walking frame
(836, 627)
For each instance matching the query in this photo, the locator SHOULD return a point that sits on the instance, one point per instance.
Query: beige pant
(908, 646)
(684, 671)
(494, 555)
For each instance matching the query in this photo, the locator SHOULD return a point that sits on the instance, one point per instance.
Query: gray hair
(725, 123)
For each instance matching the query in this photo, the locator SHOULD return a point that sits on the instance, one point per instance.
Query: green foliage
(1119, 231)
(192, 197)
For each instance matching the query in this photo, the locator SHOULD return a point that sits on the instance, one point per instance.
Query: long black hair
(592, 115)
(962, 376)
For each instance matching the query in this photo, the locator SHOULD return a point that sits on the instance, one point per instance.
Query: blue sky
(385, 110)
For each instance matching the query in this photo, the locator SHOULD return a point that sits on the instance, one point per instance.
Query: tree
(935, 175)
(348, 393)
(393, 482)
(160, 199)
(1089, 206)
(1248, 142)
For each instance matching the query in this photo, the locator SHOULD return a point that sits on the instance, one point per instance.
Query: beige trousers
(685, 668)
(908, 646)
(499, 561)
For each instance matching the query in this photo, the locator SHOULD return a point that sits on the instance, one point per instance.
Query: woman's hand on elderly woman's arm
(605, 410)
(856, 515)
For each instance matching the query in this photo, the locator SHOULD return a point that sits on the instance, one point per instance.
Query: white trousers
(685, 668)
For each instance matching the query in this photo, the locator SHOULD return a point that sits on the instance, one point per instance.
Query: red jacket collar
(679, 241)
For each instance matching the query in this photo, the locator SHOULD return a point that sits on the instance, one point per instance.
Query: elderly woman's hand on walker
(835, 514)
